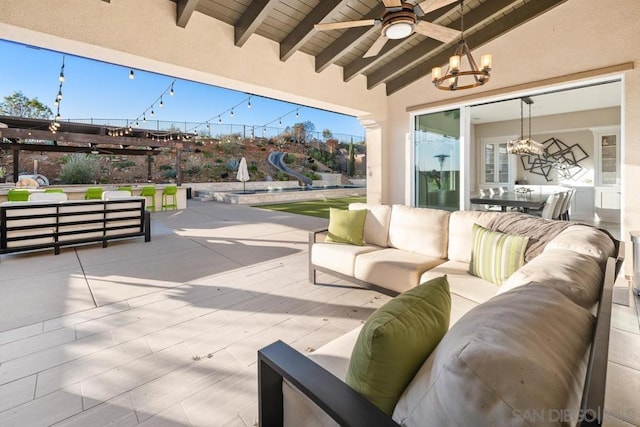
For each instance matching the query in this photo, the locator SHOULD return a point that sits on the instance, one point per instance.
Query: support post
(16, 164)
(179, 147)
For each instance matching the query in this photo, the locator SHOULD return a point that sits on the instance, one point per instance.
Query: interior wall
(570, 128)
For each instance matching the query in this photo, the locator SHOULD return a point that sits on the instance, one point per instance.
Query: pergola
(26, 134)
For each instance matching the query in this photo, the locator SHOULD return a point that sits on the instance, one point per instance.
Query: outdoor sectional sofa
(532, 351)
(39, 225)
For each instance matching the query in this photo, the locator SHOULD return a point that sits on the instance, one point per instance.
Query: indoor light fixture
(522, 146)
(455, 78)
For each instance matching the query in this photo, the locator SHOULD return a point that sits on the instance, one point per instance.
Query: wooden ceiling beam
(184, 11)
(499, 27)
(304, 30)
(348, 39)
(249, 22)
(417, 53)
(360, 65)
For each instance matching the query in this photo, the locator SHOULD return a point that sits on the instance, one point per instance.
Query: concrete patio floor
(165, 333)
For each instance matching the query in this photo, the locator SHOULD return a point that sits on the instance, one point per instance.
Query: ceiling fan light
(399, 30)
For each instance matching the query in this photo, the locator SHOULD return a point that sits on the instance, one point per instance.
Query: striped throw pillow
(494, 255)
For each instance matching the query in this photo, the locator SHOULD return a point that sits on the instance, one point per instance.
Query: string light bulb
(219, 119)
(297, 114)
(171, 92)
(55, 102)
(231, 114)
(152, 113)
(161, 103)
(131, 75)
(59, 97)
(249, 104)
(144, 119)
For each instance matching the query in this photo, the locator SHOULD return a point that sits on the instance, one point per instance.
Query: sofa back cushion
(376, 225)
(460, 232)
(522, 352)
(577, 276)
(419, 230)
(396, 340)
(584, 240)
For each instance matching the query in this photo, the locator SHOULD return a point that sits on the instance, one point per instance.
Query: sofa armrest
(595, 384)
(347, 407)
(313, 235)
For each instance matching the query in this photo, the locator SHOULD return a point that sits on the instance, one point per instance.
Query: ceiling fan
(400, 20)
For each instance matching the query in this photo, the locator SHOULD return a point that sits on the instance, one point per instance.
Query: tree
(18, 105)
(327, 134)
(352, 159)
(303, 131)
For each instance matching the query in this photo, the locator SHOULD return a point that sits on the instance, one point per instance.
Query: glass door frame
(466, 133)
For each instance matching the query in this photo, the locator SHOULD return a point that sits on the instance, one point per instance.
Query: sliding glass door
(437, 160)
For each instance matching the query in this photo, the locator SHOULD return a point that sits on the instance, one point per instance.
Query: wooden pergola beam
(16, 147)
(45, 135)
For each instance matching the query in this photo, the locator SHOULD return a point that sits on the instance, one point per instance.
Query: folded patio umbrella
(243, 173)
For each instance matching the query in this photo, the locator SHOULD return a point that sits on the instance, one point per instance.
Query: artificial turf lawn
(319, 208)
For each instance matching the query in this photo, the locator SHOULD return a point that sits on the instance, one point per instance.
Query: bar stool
(149, 191)
(125, 188)
(15, 195)
(93, 193)
(170, 191)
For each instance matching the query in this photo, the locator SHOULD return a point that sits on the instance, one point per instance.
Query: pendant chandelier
(522, 146)
(455, 78)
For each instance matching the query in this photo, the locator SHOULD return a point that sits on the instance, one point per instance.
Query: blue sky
(99, 90)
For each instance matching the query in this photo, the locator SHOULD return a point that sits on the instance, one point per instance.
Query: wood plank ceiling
(401, 62)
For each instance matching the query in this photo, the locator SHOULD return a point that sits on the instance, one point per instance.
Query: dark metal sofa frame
(9, 214)
(279, 361)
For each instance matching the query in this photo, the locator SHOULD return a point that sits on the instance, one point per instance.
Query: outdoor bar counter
(77, 192)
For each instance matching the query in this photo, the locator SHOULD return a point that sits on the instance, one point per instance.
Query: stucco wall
(576, 36)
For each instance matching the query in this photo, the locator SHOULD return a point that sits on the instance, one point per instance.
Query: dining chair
(567, 204)
(549, 206)
(557, 210)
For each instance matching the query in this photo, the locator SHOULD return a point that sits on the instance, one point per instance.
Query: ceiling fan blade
(392, 3)
(346, 24)
(376, 47)
(435, 31)
(431, 5)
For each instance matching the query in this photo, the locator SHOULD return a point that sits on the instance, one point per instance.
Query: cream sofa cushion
(419, 230)
(461, 282)
(339, 257)
(393, 269)
(376, 225)
(334, 356)
(584, 240)
(460, 232)
(577, 276)
(525, 350)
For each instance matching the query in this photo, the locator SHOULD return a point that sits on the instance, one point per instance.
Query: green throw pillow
(495, 256)
(346, 226)
(396, 340)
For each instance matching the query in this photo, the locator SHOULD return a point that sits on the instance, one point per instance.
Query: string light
(171, 92)
(159, 100)
(279, 119)
(228, 110)
(61, 77)
(249, 104)
(152, 113)
(161, 103)
(131, 75)
(231, 113)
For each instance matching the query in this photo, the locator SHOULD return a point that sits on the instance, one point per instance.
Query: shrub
(290, 158)
(312, 176)
(281, 176)
(123, 164)
(169, 173)
(79, 168)
(313, 167)
(232, 164)
(165, 167)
